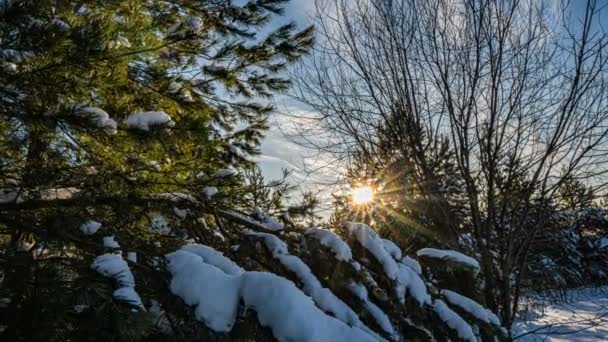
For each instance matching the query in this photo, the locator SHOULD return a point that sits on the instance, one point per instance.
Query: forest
(463, 147)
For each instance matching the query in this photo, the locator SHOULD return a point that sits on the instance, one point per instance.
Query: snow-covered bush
(571, 252)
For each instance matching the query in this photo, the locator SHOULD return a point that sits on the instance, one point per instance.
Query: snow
(275, 245)
(332, 241)
(128, 295)
(369, 239)
(173, 29)
(583, 316)
(191, 24)
(267, 220)
(379, 316)
(181, 213)
(603, 243)
(122, 42)
(291, 315)
(54, 194)
(99, 117)
(219, 235)
(132, 257)
(238, 152)
(215, 258)
(9, 67)
(412, 263)
(280, 305)
(194, 23)
(472, 307)
(450, 255)
(214, 293)
(155, 165)
(322, 296)
(109, 242)
(209, 192)
(9, 195)
(90, 227)
(186, 95)
(79, 308)
(119, 19)
(145, 120)
(60, 25)
(358, 290)
(223, 173)
(409, 282)
(392, 248)
(177, 196)
(159, 224)
(243, 219)
(115, 267)
(14, 56)
(454, 321)
(174, 87)
(381, 319)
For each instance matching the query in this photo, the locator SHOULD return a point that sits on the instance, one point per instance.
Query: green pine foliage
(73, 73)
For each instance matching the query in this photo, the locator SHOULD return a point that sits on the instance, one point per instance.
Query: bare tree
(517, 87)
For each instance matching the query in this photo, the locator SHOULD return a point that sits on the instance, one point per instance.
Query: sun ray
(362, 195)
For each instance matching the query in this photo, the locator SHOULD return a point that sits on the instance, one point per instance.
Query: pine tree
(114, 112)
(573, 194)
(414, 205)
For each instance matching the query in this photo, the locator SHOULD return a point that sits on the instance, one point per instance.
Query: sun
(362, 195)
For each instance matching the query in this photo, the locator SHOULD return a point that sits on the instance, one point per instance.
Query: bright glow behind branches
(362, 195)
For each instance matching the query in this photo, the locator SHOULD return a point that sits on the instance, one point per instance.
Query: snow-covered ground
(583, 316)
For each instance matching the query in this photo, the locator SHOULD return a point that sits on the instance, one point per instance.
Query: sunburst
(362, 195)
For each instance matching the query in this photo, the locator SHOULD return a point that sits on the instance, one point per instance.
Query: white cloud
(310, 171)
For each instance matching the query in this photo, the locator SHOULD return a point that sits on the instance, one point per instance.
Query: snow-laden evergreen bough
(297, 304)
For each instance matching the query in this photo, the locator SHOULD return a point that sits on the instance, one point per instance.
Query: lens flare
(362, 195)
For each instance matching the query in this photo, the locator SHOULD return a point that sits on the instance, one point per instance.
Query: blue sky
(298, 9)
(278, 151)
